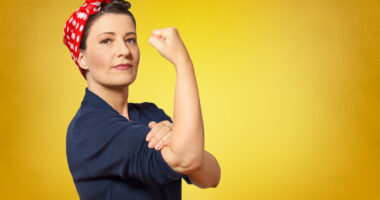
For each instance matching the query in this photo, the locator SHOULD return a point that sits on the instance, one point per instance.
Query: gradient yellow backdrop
(289, 90)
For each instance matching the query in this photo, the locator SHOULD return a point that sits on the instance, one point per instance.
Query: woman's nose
(123, 48)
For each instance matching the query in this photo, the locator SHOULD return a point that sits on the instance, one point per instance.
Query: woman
(121, 150)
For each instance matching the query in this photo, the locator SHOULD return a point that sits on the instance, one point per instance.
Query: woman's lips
(123, 66)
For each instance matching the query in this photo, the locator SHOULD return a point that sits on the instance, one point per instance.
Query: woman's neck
(117, 98)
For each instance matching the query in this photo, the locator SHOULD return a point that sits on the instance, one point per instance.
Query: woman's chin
(114, 79)
(122, 80)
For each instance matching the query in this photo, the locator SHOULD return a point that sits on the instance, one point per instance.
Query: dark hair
(115, 6)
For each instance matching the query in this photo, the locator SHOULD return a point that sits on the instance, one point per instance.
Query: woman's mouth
(123, 66)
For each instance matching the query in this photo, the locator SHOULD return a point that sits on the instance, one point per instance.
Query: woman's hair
(115, 6)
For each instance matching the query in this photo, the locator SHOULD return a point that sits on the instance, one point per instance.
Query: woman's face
(111, 41)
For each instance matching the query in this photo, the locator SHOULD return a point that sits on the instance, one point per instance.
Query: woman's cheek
(99, 60)
(136, 56)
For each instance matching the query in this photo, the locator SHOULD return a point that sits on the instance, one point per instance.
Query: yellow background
(290, 94)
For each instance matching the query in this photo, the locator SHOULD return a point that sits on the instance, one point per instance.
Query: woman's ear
(82, 60)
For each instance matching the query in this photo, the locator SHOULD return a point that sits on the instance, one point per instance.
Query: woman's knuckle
(172, 29)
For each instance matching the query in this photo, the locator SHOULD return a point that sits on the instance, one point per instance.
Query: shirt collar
(93, 99)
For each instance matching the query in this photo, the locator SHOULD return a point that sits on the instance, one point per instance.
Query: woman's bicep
(177, 162)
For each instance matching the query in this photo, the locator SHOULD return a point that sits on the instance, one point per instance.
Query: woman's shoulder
(145, 106)
(151, 110)
(87, 117)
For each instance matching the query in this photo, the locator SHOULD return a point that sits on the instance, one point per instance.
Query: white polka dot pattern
(74, 26)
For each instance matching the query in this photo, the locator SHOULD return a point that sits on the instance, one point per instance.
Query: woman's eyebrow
(113, 33)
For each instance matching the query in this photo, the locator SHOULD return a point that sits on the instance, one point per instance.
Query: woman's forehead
(113, 23)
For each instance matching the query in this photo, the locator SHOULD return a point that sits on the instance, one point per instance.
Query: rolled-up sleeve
(110, 145)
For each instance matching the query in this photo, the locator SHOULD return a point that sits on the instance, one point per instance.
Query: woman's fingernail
(158, 146)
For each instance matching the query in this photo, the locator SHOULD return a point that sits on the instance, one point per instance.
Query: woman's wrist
(183, 65)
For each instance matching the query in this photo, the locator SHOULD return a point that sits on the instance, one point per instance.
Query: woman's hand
(169, 44)
(160, 134)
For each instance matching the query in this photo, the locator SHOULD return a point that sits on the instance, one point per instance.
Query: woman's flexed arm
(207, 176)
(185, 154)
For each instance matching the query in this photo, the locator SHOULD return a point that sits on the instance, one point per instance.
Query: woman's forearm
(185, 153)
(188, 131)
(187, 142)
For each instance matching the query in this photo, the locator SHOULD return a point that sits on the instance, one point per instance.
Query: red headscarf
(74, 27)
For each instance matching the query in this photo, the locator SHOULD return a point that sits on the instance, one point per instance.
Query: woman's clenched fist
(169, 44)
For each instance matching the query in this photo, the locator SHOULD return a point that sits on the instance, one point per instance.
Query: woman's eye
(105, 41)
(133, 40)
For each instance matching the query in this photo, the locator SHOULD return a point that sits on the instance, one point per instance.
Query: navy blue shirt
(109, 157)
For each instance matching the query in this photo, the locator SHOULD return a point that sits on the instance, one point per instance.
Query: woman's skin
(159, 137)
(160, 134)
(112, 41)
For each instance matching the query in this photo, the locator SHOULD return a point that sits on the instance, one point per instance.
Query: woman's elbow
(209, 184)
(216, 181)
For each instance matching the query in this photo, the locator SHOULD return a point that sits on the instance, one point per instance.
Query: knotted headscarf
(74, 27)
